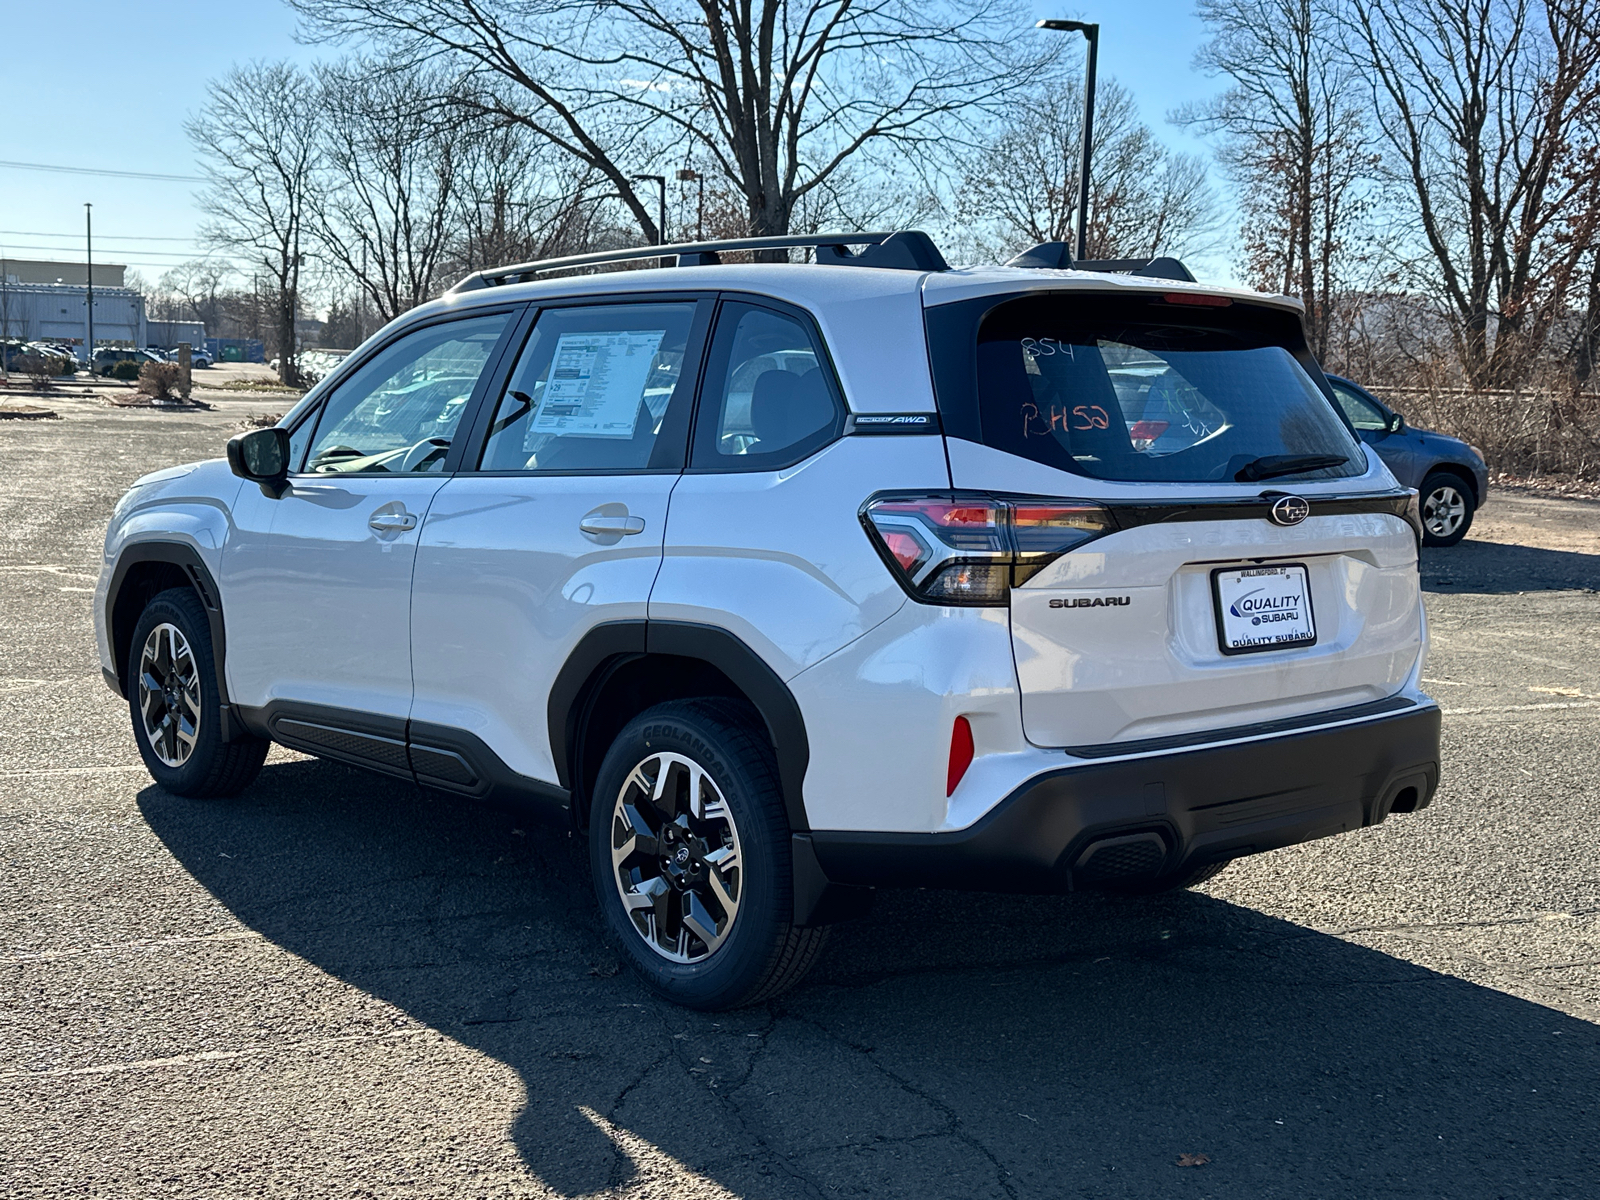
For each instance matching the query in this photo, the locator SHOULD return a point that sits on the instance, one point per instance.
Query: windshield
(1139, 389)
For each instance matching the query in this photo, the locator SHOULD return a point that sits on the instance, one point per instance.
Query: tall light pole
(688, 175)
(1092, 33)
(661, 182)
(88, 279)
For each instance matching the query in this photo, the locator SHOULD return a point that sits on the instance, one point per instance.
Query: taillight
(1144, 433)
(961, 549)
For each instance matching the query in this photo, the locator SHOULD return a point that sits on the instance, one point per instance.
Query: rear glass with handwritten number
(1141, 391)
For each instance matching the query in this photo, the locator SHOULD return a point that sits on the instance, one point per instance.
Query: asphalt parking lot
(338, 985)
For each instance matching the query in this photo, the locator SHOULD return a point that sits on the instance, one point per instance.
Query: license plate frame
(1304, 630)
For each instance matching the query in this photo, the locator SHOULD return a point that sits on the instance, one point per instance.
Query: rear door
(555, 525)
(1211, 605)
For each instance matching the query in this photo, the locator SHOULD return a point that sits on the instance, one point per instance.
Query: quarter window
(399, 411)
(769, 400)
(594, 390)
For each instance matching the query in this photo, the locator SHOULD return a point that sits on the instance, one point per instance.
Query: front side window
(399, 411)
(768, 401)
(594, 390)
(1141, 390)
(1363, 413)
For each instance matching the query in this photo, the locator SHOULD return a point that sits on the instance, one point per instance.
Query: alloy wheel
(1443, 511)
(675, 858)
(169, 694)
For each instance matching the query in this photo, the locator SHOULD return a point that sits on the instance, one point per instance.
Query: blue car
(1449, 474)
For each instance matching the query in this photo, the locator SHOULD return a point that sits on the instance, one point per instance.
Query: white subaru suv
(779, 582)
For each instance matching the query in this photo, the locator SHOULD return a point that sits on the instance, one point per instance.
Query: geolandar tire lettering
(690, 852)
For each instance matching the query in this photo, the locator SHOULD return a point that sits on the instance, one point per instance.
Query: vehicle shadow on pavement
(949, 1045)
(1496, 567)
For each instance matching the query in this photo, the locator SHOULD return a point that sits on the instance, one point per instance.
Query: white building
(35, 309)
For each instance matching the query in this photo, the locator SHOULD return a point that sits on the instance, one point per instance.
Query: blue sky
(112, 82)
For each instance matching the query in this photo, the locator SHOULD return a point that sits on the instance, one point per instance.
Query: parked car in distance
(108, 357)
(780, 582)
(1449, 475)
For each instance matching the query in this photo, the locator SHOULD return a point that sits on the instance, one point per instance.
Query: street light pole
(1092, 33)
(88, 279)
(691, 176)
(661, 182)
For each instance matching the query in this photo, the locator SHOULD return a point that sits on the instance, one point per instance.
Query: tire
(172, 646)
(710, 926)
(1447, 508)
(1170, 883)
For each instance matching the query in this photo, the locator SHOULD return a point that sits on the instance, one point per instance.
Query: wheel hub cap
(675, 858)
(1443, 511)
(169, 694)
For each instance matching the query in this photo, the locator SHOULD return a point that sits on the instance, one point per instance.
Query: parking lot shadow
(949, 1045)
(1496, 567)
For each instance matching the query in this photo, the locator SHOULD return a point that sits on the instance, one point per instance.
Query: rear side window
(597, 388)
(1137, 389)
(769, 399)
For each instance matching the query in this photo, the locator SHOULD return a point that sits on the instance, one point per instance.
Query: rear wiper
(1274, 465)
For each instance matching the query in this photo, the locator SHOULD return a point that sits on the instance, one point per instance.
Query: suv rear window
(1141, 389)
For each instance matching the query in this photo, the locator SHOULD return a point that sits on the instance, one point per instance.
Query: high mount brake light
(972, 550)
(1197, 299)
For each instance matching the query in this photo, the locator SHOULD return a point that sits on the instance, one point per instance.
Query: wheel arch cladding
(621, 668)
(1457, 471)
(144, 570)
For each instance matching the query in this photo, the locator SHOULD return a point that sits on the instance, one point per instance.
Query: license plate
(1263, 608)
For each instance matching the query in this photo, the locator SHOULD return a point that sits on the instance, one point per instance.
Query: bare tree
(383, 211)
(1021, 187)
(1293, 141)
(779, 94)
(1489, 110)
(258, 143)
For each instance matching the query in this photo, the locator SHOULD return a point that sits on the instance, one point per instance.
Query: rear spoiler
(1057, 256)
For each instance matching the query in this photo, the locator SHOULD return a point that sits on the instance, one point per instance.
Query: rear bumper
(1161, 814)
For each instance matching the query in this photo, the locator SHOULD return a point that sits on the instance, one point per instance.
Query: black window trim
(313, 412)
(699, 341)
(830, 378)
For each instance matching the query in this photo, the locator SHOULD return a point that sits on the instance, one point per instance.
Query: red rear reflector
(1147, 431)
(1198, 299)
(906, 550)
(960, 754)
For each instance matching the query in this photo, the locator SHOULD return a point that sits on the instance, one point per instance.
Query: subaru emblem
(1289, 510)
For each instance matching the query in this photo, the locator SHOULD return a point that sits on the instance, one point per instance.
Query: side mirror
(262, 456)
(1395, 423)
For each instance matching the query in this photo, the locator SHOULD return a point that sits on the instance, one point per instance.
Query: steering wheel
(424, 453)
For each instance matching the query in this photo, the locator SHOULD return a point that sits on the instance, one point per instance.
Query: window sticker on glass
(597, 381)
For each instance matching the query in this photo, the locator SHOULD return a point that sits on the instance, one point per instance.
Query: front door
(320, 613)
(559, 528)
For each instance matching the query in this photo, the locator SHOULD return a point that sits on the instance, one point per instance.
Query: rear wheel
(689, 845)
(1447, 509)
(171, 681)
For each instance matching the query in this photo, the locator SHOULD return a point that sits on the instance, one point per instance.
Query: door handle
(602, 526)
(391, 522)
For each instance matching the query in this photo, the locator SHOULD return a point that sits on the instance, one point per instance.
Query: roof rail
(1058, 256)
(905, 250)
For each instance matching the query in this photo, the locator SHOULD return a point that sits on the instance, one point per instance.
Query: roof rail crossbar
(904, 250)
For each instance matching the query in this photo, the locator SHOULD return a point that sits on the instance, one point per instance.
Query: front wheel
(1447, 509)
(171, 682)
(690, 851)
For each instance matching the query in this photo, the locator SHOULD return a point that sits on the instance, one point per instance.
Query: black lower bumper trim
(1206, 804)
